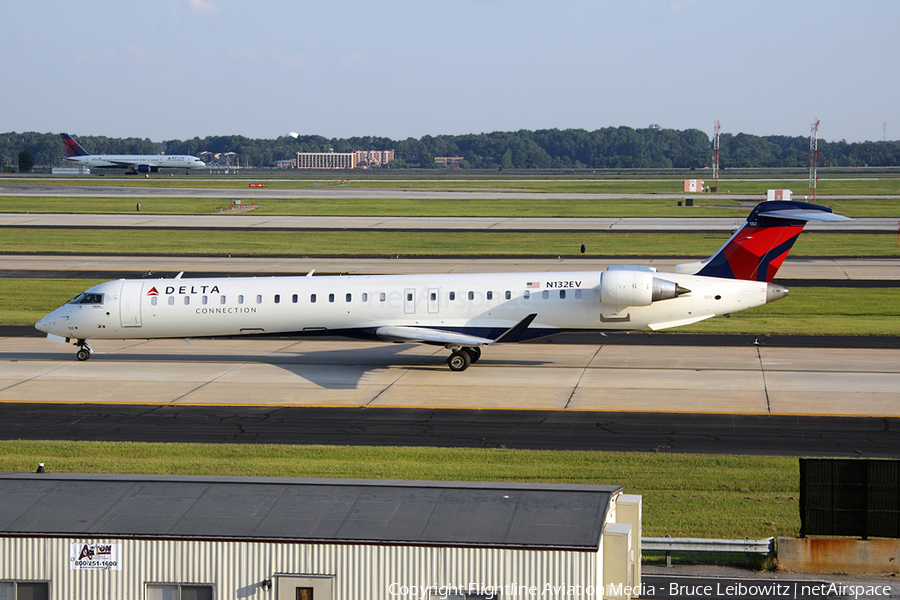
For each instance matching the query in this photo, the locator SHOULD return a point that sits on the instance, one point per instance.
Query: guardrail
(670, 545)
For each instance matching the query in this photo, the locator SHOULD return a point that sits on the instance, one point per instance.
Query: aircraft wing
(425, 335)
(123, 163)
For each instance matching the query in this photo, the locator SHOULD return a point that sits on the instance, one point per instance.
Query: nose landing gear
(84, 350)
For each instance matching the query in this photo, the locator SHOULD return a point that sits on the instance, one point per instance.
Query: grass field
(468, 206)
(684, 495)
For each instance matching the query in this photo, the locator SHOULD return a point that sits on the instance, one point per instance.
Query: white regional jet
(461, 312)
(133, 163)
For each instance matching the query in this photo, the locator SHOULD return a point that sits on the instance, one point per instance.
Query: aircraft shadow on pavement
(328, 369)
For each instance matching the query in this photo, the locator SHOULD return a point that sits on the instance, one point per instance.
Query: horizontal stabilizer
(801, 214)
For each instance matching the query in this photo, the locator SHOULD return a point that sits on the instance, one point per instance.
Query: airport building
(155, 537)
(374, 158)
(326, 160)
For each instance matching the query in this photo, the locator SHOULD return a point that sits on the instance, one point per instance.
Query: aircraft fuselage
(477, 304)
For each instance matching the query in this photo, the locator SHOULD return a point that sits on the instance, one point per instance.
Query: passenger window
(240, 299)
(562, 294)
(204, 300)
(171, 300)
(365, 297)
(490, 295)
(578, 294)
(294, 298)
(312, 298)
(433, 296)
(222, 300)
(331, 297)
(277, 298)
(471, 295)
(409, 297)
(349, 297)
(187, 300)
(153, 301)
(452, 295)
(545, 294)
(259, 299)
(508, 294)
(527, 295)
(381, 297)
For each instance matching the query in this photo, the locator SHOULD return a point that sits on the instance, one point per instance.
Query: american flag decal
(533, 284)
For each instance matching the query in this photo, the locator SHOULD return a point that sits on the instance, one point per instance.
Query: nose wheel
(84, 350)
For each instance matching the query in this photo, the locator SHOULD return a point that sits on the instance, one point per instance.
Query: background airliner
(133, 163)
(461, 312)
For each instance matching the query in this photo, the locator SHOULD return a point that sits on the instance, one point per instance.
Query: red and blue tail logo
(758, 249)
(72, 147)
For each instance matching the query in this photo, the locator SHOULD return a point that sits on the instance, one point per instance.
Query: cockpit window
(86, 298)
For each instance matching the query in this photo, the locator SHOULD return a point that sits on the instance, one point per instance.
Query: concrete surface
(266, 372)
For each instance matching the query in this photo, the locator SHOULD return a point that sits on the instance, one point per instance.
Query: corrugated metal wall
(361, 572)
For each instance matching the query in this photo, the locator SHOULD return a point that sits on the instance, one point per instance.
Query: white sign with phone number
(95, 557)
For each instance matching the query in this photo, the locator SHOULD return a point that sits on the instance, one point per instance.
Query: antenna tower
(715, 165)
(813, 160)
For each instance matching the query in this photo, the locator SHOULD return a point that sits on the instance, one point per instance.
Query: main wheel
(459, 360)
(83, 354)
(475, 353)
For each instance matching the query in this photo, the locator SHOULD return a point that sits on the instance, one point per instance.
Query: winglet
(514, 333)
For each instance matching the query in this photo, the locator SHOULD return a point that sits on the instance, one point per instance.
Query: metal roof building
(75, 536)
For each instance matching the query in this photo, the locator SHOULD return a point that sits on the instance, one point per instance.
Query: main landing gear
(84, 350)
(463, 357)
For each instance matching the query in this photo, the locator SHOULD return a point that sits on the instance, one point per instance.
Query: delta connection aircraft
(462, 312)
(133, 163)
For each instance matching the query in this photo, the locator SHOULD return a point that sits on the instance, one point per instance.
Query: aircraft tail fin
(73, 148)
(756, 251)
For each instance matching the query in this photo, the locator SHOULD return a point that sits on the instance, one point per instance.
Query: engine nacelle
(623, 288)
(142, 168)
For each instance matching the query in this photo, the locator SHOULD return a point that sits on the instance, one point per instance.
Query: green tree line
(607, 148)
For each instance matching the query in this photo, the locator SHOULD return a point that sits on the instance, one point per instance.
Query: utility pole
(813, 160)
(715, 165)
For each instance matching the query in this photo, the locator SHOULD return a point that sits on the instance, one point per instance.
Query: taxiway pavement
(755, 380)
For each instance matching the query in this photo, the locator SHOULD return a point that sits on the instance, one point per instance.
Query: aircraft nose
(44, 324)
(52, 323)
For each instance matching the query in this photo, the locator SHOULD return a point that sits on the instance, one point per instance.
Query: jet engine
(142, 168)
(636, 288)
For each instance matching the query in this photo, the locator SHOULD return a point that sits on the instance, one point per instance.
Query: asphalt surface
(520, 429)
